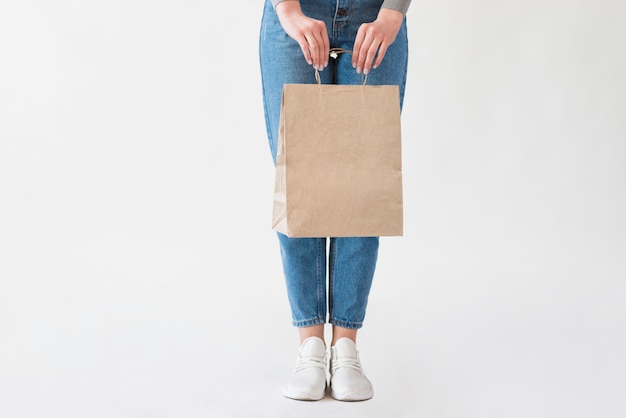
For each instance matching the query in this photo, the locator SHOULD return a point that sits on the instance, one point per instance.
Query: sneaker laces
(310, 362)
(347, 362)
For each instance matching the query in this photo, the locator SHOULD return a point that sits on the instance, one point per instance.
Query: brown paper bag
(339, 165)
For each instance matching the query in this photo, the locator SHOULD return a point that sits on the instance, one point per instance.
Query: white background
(139, 276)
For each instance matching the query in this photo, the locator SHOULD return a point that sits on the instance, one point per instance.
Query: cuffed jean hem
(346, 324)
(308, 322)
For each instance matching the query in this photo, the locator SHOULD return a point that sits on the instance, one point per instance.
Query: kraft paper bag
(339, 164)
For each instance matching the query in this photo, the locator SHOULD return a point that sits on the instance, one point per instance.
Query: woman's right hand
(310, 33)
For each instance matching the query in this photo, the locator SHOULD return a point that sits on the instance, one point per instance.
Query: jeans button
(342, 12)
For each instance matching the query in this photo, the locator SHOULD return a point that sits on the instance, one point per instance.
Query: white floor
(100, 325)
(139, 276)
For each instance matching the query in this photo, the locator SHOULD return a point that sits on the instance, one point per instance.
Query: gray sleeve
(399, 5)
(275, 2)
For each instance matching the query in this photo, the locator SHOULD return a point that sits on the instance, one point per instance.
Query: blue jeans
(351, 261)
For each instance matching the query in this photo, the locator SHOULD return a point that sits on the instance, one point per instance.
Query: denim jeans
(351, 261)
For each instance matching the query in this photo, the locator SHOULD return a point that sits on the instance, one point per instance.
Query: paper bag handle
(334, 53)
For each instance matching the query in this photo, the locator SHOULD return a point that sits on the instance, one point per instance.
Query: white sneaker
(347, 379)
(308, 382)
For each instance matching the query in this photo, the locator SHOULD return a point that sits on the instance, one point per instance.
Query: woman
(295, 39)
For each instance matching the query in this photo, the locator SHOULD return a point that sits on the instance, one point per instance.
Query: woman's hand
(310, 34)
(375, 37)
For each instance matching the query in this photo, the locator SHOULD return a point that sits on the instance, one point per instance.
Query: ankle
(340, 332)
(312, 331)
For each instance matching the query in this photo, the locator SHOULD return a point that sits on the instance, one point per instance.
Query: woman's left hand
(375, 37)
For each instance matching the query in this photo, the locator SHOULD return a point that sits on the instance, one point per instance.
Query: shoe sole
(352, 397)
(303, 396)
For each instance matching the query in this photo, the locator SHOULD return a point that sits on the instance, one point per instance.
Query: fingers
(366, 44)
(310, 33)
(382, 50)
(304, 46)
(357, 62)
(326, 50)
(374, 38)
(317, 45)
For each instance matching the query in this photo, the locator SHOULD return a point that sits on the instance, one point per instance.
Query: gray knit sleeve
(275, 2)
(399, 5)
